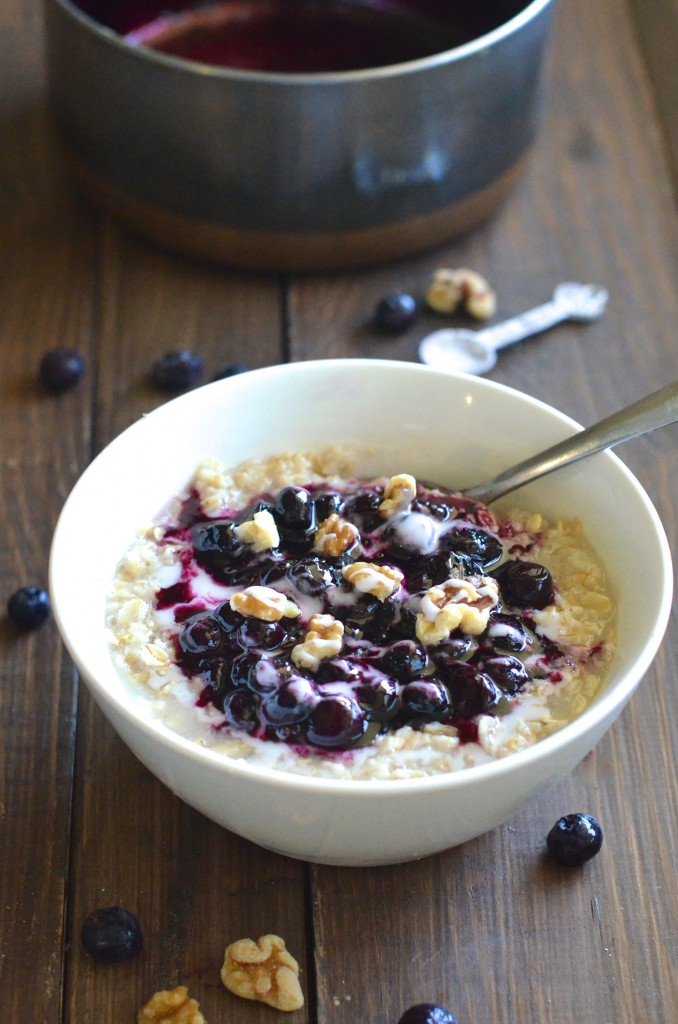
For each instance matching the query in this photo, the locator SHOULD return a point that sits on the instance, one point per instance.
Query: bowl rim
(586, 723)
(530, 11)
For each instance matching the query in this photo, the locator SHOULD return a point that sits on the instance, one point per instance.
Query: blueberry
(363, 511)
(574, 839)
(244, 669)
(405, 660)
(476, 544)
(436, 569)
(472, 691)
(395, 313)
(201, 634)
(378, 698)
(327, 503)
(336, 722)
(426, 699)
(525, 584)
(507, 633)
(29, 607)
(241, 708)
(291, 704)
(507, 672)
(231, 370)
(337, 670)
(451, 651)
(112, 934)
(61, 369)
(312, 576)
(264, 635)
(177, 371)
(218, 550)
(427, 1013)
(294, 512)
(229, 620)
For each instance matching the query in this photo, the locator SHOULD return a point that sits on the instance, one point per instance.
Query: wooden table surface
(490, 929)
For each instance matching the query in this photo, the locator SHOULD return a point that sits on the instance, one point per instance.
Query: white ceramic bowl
(454, 429)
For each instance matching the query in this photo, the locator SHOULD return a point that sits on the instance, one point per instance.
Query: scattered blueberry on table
(427, 1013)
(231, 370)
(61, 369)
(29, 607)
(111, 935)
(176, 371)
(394, 314)
(574, 839)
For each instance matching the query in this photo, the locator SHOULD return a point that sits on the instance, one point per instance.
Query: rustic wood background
(491, 929)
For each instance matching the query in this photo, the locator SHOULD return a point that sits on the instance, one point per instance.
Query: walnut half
(172, 1006)
(263, 970)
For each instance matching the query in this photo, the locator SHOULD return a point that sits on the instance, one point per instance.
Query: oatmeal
(291, 615)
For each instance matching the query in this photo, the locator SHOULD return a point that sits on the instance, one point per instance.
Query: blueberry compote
(381, 673)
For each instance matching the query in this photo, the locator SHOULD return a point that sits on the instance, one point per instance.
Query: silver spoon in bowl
(658, 409)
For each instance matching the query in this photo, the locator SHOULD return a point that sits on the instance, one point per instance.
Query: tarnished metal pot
(296, 171)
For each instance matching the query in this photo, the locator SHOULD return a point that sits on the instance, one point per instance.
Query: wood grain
(491, 929)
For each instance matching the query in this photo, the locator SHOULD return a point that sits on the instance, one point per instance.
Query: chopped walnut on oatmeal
(323, 640)
(263, 970)
(379, 580)
(456, 604)
(334, 536)
(264, 603)
(172, 1006)
(399, 493)
(260, 532)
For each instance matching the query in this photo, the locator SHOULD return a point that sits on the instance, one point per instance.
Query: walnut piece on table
(171, 1006)
(263, 970)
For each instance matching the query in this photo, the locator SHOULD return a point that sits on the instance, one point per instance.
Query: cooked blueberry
(228, 618)
(404, 660)
(507, 672)
(378, 698)
(427, 1013)
(395, 313)
(294, 512)
(241, 708)
(327, 503)
(336, 722)
(201, 634)
(216, 675)
(472, 691)
(244, 668)
(507, 633)
(267, 674)
(357, 616)
(312, 576)
(112, 934)
(29, 607)
(61, 369)
(176, 371)
(427, 699)
(337, 670)
(274, 569)
(231, 370)
(438, 509)
(454, 649)
(264, 635)
(574, 839)
(525, 584)
(291, 704)
(474, 543)
(217, 536)
(363, 511)
(445, 565)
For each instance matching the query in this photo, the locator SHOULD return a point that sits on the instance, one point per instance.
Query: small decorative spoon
(658, 409)
(476, 351)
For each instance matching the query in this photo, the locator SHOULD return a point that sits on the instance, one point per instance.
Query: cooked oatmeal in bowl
(289, 614)
(314, 683)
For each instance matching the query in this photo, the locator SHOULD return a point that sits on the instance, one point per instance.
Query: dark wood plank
(46, 285)
(657, 25)
(491, 929)
(194, 886)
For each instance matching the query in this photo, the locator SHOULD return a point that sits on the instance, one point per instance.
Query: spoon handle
(655, 410)
(570, 302)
